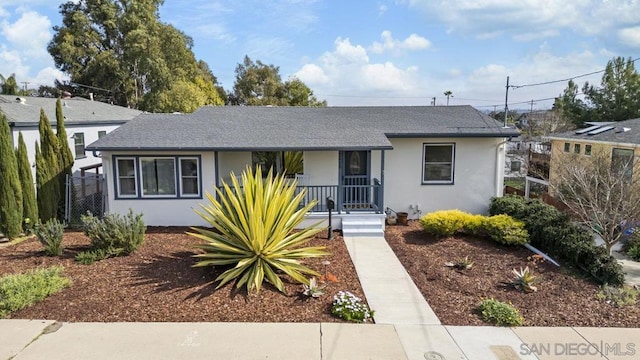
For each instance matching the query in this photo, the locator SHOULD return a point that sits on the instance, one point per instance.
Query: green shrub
(553, 232)
(50, 235)
(21, 290)
(90, 256)
(445, 223)
(254, 232)
(114, 234)
(499, 313)
(632, 245)
(620, 296)
(349, 307)
(504, 229)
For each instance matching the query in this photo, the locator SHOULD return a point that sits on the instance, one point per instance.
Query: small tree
(47, 170)
(29, 205)
(10, 190)
(65, 157)
(601, 190)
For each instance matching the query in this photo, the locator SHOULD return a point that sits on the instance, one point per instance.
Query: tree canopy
(260, 84)
(616, 99)
(9, 85)
(120, 47)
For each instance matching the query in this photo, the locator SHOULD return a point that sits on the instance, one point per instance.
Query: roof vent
(21, 100)
(624, 129)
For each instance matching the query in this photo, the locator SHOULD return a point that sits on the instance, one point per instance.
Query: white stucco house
(368, 159)
(85, 122)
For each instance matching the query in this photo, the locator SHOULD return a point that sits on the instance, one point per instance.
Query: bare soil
(564, 297)
(158, 283)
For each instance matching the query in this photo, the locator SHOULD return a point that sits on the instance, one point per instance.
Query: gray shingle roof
(302, 128)
(75, 110)
(615, 135)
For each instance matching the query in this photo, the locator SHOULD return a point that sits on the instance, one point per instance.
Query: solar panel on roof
(586, 130)
(601, 130)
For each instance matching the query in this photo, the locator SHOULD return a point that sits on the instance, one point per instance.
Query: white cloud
(527, 20)
(630, 36)
(347, 70)
(29, 34)
(413, 42)
(382, 9)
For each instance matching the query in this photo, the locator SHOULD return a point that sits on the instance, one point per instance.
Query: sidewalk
(406, 328)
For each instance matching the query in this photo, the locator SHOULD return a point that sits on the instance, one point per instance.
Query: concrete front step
(363, 226)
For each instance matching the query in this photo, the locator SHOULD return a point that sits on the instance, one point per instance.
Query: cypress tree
(48, 181)
(10, 191)
(29, 205)
(65, 157)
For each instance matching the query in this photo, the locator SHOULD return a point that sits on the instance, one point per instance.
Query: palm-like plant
(254, 231)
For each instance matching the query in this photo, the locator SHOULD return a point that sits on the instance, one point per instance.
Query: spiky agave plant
(254, 231)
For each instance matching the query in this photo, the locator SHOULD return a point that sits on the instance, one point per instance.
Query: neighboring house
(620, 140)
(368, 159)
(85, 122)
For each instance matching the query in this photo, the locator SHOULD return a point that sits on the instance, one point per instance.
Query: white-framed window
(158, 176)
(126, 184)
(438, 163)
(78, 139)
(587, 149)
(102, 133)
(622, 162)
(189, 177)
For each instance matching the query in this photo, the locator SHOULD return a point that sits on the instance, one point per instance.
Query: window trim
(102, 133)
(117, 178)
(587, 149)
(577, 148)
(76, 144)
(197, 177)
(453, 164)
(567, 147)
(175, 180)
(138, 177)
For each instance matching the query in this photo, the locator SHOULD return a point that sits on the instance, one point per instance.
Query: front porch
(359, 196)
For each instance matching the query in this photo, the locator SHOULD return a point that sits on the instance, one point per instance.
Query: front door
(356, 178)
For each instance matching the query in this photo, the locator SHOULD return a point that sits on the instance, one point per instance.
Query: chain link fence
(84, 194)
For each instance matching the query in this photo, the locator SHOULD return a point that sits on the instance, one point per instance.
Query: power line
(564, 80)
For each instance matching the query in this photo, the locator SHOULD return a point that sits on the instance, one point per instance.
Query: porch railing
(348, 198)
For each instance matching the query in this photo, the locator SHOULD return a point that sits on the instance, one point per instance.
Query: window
(158, 177)
(587, 149)
(101, 133)
(189, 179)
(126, 177)
(567, 147)
(288, 162)
(438, 163)
(576, 148)
(78, 139)
(622, 161)
(515, 165)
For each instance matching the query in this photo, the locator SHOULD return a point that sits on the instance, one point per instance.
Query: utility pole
(433, 102)
(506, 100)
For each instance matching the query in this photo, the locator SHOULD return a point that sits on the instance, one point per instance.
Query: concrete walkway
(406, 328)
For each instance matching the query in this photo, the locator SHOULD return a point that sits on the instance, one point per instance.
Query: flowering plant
(350, 307)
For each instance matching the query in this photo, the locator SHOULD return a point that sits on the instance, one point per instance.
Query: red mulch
(158, 283)
(564, 298)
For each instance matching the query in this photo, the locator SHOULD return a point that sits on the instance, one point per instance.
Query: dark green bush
(114, 235)
(499, 313)
(50, 235)
(553, 232)
(18, 291)
(632, 245)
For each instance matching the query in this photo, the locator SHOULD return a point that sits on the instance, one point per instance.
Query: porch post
(382, 208)
(340, 181)
(217, 174)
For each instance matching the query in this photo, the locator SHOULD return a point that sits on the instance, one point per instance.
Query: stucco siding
(475, 176)
(162, 212)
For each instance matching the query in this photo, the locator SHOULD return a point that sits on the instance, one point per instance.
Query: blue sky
(402, 52)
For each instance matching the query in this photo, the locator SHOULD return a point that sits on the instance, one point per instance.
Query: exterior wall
(478, 175)
(31, 135)
(232, 161)
(162, 212)
(321, 167)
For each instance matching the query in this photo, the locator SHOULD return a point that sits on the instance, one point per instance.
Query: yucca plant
(524, 279)
(253, 231)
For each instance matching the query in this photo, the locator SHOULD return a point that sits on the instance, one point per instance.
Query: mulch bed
(564, 298)
(158, 283)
